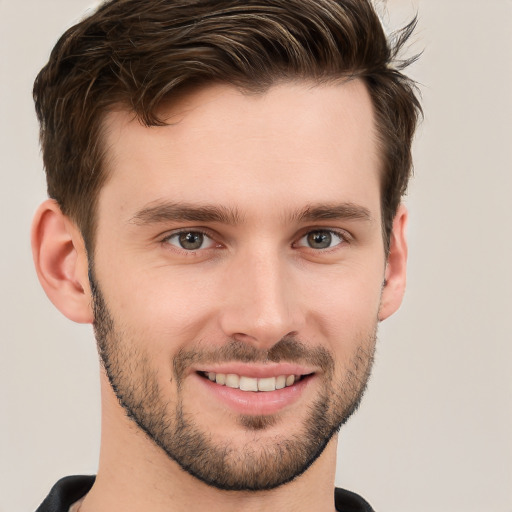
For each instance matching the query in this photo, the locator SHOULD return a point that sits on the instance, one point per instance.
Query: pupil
(319, 239)
(191, 240)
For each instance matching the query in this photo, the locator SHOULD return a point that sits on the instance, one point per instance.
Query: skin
(268, 157)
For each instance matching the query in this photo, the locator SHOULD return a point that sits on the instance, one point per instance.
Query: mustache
(289, 349)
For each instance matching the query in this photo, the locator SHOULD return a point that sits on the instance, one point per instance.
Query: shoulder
(347, 501)
(65, 492)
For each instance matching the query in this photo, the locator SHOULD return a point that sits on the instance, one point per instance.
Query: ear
(396, 266)
(61, 262)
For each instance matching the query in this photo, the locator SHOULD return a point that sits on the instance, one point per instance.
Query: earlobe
(61, 263)
(396, 266)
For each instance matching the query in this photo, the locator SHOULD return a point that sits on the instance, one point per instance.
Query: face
(238, 274)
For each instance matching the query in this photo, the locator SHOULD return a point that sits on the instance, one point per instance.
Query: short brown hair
(137, 54)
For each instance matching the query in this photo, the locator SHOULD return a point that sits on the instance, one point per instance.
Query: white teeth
(232, 380)
(244, 383)
(268, 384)
(248, 384)
(281, 382)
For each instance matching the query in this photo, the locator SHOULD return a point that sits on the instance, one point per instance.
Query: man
(225, 182)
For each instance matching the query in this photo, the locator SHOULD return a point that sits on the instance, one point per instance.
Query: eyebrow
(160, 212)
(168, 211)
(338, 211)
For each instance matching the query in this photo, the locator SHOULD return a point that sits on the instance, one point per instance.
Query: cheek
(170, 306)
(345, 308)
(161, 309)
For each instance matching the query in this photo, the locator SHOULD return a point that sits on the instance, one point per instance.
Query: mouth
(253, 384)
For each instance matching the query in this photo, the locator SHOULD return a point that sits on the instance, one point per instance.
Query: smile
(245, 383)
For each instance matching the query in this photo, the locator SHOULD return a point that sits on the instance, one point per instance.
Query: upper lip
(257, 370)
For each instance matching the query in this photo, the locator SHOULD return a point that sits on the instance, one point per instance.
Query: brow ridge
(334, 211)
(158, 212)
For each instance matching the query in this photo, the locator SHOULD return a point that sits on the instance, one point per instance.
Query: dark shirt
(70, 489)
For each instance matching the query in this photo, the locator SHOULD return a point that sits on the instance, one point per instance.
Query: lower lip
(257, 402)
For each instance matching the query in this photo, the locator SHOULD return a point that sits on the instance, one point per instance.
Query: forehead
(300, 141)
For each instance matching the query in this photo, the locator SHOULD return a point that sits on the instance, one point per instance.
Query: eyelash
(203, 233)
(343, 236)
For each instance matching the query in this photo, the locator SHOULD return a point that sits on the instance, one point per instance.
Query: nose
(260, 306)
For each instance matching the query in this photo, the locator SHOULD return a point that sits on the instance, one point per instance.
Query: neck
(134, 474)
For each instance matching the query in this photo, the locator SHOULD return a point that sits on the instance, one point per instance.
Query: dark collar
(71, 488)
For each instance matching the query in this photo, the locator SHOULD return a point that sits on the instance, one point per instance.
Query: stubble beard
(266, 462)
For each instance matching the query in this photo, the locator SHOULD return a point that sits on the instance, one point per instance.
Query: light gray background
(435, 430)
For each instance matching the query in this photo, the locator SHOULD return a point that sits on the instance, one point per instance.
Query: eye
(190, 240)
(320, 239)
